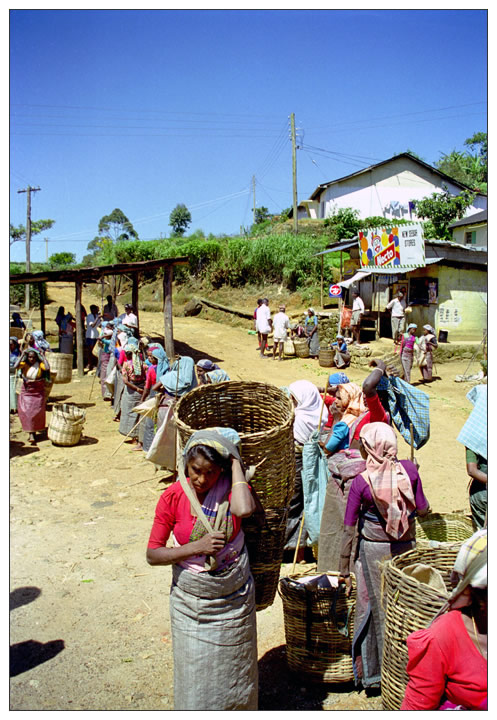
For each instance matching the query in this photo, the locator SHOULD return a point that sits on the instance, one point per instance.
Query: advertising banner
(399, 247)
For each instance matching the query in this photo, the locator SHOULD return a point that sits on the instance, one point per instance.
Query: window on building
(470, 237)
(423, 290)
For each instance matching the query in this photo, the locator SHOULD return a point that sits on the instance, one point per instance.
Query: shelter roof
(474, 219)
(95, 273)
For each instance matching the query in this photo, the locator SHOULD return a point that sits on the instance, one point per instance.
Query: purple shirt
(360, 500)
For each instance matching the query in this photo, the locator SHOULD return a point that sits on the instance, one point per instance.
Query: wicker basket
(394, 362)
(263, 417)
(16, 332)
(265, 549)
(443, 528)
(315, 649)
(301, 348)
(410, 606)
(66, 424)
(326, 358)
(61, 365)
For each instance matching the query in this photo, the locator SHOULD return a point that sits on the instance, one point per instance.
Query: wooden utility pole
(167, 289)
(253, 188)
(79, 330)
(294, 169)
(28, 190)
(134, 298)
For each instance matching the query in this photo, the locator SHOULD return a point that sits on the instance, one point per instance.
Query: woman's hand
(210, 544)
(347, 581)
(336, 413)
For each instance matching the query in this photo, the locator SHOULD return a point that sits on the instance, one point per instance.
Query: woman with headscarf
(208, 373)
(14, 353)
(447, 664)
(32, 401)
(309, 410)
(334, 380)
(66, 334)
(40, 342)
(133, 375)
(104, 342)
(159, 364)
(311, 332)
(473, 436)
(342, 354)
(17, 321)
(427, 343)
(348, 408)
(408, 343)
(120, 337)
(212, 599)
(382, 501)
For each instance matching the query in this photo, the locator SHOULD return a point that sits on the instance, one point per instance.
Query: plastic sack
(315, 476)
(163, 449)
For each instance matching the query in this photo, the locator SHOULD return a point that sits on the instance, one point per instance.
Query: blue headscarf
(132, 347)
(162, 360)
(40, 341)
(338, 378)
(181, 377)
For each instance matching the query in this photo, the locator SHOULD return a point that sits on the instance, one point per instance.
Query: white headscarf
(308, 410)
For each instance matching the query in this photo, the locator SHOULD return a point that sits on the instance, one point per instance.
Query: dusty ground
(89, 617)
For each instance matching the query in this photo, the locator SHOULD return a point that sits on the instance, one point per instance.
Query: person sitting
(208, 373)
(342, 355)
(447, 665)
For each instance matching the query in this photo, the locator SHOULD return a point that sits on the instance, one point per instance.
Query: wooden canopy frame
(95, 275)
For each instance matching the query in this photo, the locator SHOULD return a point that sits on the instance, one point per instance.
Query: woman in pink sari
(32, 402)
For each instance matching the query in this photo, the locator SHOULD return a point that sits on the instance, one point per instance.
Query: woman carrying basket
(383, 501)
(447, 665)
(212, 601)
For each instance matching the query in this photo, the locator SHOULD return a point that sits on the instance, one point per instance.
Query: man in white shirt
(93, 321)
(357, 313)
(398, 307)
(281, 323)
(263, 323)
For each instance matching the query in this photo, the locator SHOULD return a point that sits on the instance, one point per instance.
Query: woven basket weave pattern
(326, 358)
(410, 606)
(314, 647)
(301, 348)
(66, 424)
(61, 364)
(444, 527)
(265, 549)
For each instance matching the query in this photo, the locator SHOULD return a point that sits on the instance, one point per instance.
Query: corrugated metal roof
(474, 219)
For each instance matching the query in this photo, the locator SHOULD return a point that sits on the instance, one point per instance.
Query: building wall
(399, 181)
(459, 235)
(462, 302)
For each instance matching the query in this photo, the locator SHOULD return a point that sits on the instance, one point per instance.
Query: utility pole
(294, 169)
(46, 249)
(253, 188)
(28, 190)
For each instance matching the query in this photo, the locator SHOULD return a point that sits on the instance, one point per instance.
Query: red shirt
(377, 413)
(444, 663)
(328, 401)
(173, 513)
(151, 378)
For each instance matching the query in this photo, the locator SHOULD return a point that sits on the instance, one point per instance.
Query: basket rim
(391, 569)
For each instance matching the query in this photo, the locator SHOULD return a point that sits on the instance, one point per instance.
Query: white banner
(399, 247)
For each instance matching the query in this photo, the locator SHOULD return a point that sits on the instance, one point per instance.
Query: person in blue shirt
(342, 355)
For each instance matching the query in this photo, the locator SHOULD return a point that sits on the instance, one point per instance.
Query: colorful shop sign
(401, 247)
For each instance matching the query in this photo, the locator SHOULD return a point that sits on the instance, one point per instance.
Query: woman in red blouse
(212, 601)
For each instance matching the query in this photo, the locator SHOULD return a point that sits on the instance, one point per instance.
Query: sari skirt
(427, 368)
(31, 406)
(12, 391)
(127, 424)
(214, 637)
(406, 359)
(104, 361)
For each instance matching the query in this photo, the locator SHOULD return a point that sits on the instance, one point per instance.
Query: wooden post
(42, 307)
(167, 291)
(80, 336)
(322, 266)
(134, 298)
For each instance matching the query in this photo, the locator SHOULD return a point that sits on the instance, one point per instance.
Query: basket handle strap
(193, 500)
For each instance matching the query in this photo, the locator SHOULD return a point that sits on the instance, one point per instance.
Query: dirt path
(89, 617)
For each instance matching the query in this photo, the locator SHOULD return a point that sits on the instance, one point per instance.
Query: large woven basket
(301, 348)
(265, 549)
(315, 649)
(49, 384)
(444, 527)
(66, 424)
(263, 417)
(393, 361)
(326, 358)
(410, 606)
(61, 364)
(16, 332)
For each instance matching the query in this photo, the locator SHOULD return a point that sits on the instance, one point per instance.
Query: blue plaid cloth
(409, 405)
(474, 431)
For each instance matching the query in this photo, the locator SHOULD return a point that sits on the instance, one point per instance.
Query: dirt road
(89, 617)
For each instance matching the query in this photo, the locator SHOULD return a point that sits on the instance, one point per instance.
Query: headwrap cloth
(132, 347)
(389, 482)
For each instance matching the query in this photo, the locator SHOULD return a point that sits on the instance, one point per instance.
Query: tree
(62, 259)
(116, 226)
(179, 219)
(443, 208)
(465, 167)
(37, 226)
(261, 214)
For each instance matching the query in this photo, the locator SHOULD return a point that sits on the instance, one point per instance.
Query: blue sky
(142, 110)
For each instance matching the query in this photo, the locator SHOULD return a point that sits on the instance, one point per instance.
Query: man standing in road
(398, 307)
(263, 323)
(281, 323)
